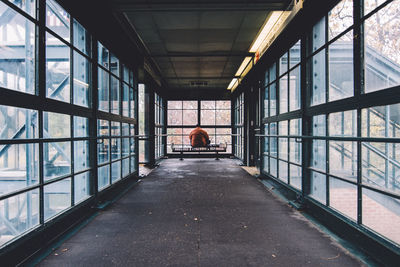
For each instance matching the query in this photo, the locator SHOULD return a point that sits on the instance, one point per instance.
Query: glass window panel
(103, 176)
(341, 74)
(174, 136)
(125, 100)
(56, 125)
(273, 167)
(103, 128)
(174, 104)
(115, 95)
(381, 166)
(174, 117)
(125, 147)
(104, 96)
(283, 64)
(294, 54)
(17, 42)
(343, 159)
(103, 150)
(295, 176)
(343, 197)
(294, 87)
(21, 212)
(125, 167)
(115, 128)
(103, 55)
(57, 19)
(283, 142)
(343, 123)
(266, 102)
(82, 186)
(318, 35)
(81, 127)
(318, 91)
(266, 139)
(380, 213)
(189, 104)
(81, 38)
(207, 104)
(381, 121)
(272, 99)
(114, 65)
(272, 72)
(283, 94)
(115, 148)
(207, 117)
(189, 117)
(81, 80)
(133, 164)
(57, 159)
(266, 164)
(81, 155)
(57, 197)
(340, 18)
(132, 102)
(318, 158)
(295, 144)
(19, 166)
(382, 53)
(370, 5)
(14, 123)
(211, 133)
(223, 117)
(283, 171)
(273, 140)
(125, 129)
(132, 146)
(57, 69)
(115, 171)
(318, 187)
(266, 80)
(28, 6)
(125, 74)
(223, 104)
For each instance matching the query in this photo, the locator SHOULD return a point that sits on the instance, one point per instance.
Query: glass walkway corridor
(300, 99)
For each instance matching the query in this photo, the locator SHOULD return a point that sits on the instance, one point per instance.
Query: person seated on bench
(198, 137)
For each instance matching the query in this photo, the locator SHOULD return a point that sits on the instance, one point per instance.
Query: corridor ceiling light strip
(273, 18)
(243, 66)
(232, 83)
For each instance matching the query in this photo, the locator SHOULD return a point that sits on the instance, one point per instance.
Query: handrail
(336, 138)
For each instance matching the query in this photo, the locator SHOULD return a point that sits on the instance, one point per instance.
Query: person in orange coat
(198, 137)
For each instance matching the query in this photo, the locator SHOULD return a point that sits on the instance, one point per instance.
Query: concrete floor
(199, 212)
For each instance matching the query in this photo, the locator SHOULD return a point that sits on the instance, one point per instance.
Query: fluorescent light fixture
(243, 66)
(269, 24)
(230, 86)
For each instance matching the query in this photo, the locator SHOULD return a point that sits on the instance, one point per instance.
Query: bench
(217, 148)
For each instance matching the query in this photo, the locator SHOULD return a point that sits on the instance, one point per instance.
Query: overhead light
(243, 66)
(232, 83)
(269, 24)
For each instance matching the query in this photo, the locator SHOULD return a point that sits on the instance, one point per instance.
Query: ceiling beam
(182, 5)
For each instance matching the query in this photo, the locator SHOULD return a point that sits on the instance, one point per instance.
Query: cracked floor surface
(199, 212)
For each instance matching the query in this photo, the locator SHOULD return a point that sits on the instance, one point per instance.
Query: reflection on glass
(81, 70)
(103, 128)
(21, 213)
(19, 166)
(385, 221)
(57, 159)
(82, 186)
(283, 64)
(283, 94)
(57, 197)
(381, 48)
(17, 50)
(115, 148)
(343, 197)
(341, 74)
(114, 64)
(58, 19)
(103, 56)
